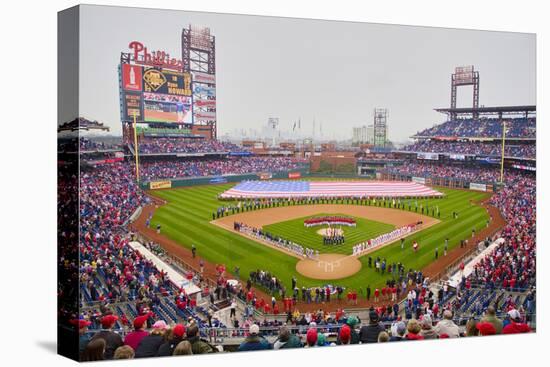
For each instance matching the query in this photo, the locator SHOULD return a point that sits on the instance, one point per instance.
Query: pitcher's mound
(329, 266)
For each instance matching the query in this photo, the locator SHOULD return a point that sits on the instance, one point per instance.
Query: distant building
(370, 134)
(359, 135)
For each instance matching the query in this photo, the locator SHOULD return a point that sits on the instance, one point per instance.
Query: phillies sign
(205, 103)
(159, 59)
(204, 116)
(204, 78)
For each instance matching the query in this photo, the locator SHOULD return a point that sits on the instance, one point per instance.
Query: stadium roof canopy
(506, 110)
(81, 123)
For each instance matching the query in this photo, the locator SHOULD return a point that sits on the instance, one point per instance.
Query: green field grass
(186, 219)
(295, 231)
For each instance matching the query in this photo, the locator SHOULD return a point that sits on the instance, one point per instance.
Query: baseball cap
(254, 329)
(345, 334)
(80, 323)
(352, 321)
(108, 320)
(514, 314)
(486, 328)
(321, 339)
(311, 336)
(160, 325)
(373, 316)
(179, 330)
(139, 321)
(398, 328)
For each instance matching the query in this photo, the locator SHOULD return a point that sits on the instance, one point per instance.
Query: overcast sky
(335, 72)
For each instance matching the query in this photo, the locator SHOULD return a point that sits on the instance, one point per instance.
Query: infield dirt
(265, 217)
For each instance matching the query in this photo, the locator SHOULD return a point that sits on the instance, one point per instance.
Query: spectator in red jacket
(134, 338)
(516, 326)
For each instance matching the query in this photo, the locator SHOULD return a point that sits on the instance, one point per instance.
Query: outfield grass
(295, 231)
(186, 219)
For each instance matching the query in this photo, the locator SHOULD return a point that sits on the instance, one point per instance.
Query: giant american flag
(296, 189)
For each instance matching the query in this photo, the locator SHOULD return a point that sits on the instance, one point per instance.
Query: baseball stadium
(191, 244)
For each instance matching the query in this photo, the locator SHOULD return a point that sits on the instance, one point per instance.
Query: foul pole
(502, 152)
(136, 148)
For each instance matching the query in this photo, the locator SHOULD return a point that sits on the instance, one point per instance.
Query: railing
(223, 335)
(173, 259)
(96, 304)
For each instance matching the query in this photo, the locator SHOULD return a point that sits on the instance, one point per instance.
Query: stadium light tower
(198, 54)
(273, 124)
(380, 127)
(465, 75)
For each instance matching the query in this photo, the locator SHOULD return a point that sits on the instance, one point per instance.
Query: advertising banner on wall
(488, 160)
(420, 180)
(201, 89)
(294, 175)
(205, 103)
(524, 167)
(240, 154)
(428, 156)
(132, 104)
(203, 78)
(131, 77)
(265, 176)
(218, 180)
(205, 116)
(155, 185)
(478, 187)
(458, 157)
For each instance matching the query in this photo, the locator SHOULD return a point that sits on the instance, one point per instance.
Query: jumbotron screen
(157, 95)
(159, 107)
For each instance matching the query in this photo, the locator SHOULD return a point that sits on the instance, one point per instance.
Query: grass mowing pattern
(186, 217)
(294, 230)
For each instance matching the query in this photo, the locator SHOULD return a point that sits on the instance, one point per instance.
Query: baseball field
(310, 237)
(186, 219)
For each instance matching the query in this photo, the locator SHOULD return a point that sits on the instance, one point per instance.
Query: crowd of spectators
(425, 169)
(512, 265)
(474, 148)
(108, 197)
(87, 144)
(215, 167)
(484, 128)
(182, 145)
(111, 271)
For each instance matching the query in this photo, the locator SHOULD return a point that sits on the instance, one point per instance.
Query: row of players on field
(277, 241)
(255, 204)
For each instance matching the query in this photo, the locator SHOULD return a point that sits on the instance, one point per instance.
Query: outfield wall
(212, 180)
(440, 181)
(304, 172)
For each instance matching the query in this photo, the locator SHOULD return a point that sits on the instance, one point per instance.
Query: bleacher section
(520, 128)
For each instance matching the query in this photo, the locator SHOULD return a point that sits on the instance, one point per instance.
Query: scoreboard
(155, 94)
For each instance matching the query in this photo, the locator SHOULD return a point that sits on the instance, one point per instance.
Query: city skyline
(286, 69)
